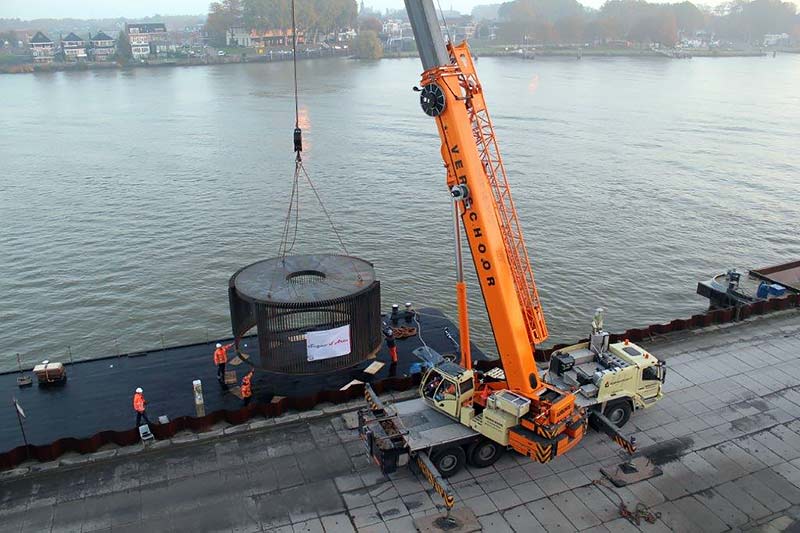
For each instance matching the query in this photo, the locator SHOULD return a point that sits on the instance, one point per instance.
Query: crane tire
(619, 412)
(449, 461)
(484, 452)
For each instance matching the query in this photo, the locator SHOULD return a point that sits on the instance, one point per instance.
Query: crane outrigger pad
(633, 471)
(461, 520)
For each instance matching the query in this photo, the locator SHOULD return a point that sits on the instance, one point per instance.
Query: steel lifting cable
(294, 200)
(294, 208)
(293, 214)
(324, 209)
(294, 61)
(444, 20)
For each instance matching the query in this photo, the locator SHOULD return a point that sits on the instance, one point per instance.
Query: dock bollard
(199, 405)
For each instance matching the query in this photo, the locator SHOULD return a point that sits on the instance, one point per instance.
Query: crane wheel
(619, 412)
(484, 453)
(449, 461)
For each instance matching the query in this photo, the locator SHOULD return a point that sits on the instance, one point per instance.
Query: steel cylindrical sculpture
(314, 313)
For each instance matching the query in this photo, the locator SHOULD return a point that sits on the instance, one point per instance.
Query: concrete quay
(727, 436)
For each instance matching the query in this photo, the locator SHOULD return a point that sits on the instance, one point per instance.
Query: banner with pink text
(328, 343)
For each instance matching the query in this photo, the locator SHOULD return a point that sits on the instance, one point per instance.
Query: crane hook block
(298, 140)
(432, 100)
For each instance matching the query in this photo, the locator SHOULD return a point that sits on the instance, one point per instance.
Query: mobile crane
(463, 415)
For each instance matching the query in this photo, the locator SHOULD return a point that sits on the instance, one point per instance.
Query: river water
(128, 198)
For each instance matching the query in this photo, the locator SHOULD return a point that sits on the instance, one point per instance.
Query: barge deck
(94, 406)
(727, 436)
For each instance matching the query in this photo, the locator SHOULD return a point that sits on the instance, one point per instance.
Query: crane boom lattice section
(483, 131)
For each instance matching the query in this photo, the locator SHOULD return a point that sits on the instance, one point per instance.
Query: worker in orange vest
(220, 358)
(391, 343)
(247, 387)
(139, 405)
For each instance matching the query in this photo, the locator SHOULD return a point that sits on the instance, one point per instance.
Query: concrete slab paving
(550, 516)
(574, 509)
(724, 509)
(735, 493)
(701, 515)
(528, 492)
(736, 465)
(521, 519)
(495, 522)
(596, 500)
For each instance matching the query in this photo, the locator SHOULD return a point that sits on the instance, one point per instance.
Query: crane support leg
(439, 484)
(602, 423)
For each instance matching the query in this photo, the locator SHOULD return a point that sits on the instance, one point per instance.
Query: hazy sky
(31, 9)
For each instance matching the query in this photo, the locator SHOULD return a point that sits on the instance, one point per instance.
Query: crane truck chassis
(453, 423)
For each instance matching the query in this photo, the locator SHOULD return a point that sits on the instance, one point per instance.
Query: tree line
(567, 21)
(315, 18)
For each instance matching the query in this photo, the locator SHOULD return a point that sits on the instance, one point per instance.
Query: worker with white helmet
(220, 359)
(140, 406)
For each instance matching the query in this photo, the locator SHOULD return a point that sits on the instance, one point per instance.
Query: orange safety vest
(245, 389)
(138, 402)
(221, 355)
(485, 393)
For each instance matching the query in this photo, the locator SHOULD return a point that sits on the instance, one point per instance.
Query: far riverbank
(282, 55)
(228, 58)
(608, 52)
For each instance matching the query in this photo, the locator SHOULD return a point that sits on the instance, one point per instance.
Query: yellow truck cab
(446, 387)
(615, 379)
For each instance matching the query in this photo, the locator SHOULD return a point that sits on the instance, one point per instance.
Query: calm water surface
(127, 199)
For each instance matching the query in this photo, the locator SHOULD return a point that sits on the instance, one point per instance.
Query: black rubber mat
(98, 394)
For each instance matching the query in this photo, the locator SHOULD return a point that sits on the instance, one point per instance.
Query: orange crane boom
(452, 94)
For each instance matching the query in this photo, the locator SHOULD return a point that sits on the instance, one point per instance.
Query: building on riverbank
(251, 38)
(239, 36)
(73, 48)
(777, 39)
(42, 47)
(146, 38)
(267, 38)
(102, 47)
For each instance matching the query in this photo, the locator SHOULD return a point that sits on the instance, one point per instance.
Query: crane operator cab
(446, 387)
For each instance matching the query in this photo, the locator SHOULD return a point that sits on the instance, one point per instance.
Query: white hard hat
(139, 390)
(219, 345)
